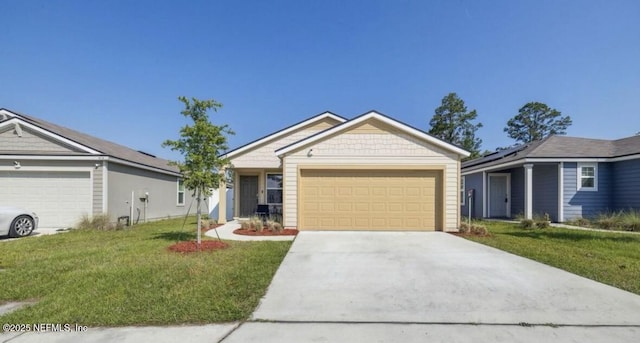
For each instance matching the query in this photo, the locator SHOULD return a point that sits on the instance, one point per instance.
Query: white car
(17, 222)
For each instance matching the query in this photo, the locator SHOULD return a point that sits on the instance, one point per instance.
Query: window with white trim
(274, 188)
(180, 200)
(587, 176)
(462, 192)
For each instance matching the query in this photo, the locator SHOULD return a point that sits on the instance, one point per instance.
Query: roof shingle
(103, 146)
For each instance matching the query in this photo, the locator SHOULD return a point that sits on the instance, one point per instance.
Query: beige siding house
(368, 173)
(63, 175)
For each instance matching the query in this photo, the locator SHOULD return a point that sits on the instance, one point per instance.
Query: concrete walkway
(226, 232)
(407, 287)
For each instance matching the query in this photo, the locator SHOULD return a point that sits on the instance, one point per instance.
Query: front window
(180, 192)
(587, 177)
(274, 189)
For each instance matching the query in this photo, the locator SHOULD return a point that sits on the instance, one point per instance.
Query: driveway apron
(432, 278)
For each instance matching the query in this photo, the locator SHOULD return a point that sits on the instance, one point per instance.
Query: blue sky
(114, 69)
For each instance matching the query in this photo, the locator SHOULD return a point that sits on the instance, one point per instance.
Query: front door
(248, 195)
(499, 202)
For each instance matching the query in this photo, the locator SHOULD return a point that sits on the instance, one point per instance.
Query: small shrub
(204, 224)
(582, 222)
(245, 224)
(527, 224)
(464, 227)
(274, 226)
(99, 222)
(609, 221)
(256, 224)
(478, 230)
(631, 220)
(542, 224)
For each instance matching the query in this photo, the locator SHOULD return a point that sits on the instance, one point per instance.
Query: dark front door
(248, 195)
(499, 196)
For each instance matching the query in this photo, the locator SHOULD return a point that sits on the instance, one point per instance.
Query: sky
(114, 69)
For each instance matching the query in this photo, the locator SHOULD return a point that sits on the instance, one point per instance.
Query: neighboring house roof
(364, 117)
(92, 145)
(283, 132)
(556, 147)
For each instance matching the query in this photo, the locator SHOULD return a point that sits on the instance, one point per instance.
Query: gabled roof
(89, 144)
(557, 147)
(285, 131)
(367, 116)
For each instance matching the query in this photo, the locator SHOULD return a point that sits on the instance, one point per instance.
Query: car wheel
(21, 226)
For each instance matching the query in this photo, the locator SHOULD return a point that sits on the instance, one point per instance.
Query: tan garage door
(370, 200)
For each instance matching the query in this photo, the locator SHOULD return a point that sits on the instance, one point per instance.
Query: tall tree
(201, 145)
(536, 121)
(452, 123)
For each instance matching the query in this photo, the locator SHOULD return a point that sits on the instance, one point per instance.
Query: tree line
(453, 123)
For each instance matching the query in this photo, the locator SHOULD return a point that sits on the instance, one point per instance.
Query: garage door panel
(343, 222)
(327, 207)
(312, 191)
(344, 207)
(372, 199)
(395, 222)
(395, 207)
(362, 207)
(379, 207)
(361, 222)
(378, 191)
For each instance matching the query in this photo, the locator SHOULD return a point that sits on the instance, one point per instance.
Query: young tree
(536, 121)
(201, 145)
(452, 123)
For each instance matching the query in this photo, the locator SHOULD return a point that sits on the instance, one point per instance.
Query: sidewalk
(166, 334)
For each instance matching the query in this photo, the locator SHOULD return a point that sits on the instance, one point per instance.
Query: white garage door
(59, 199)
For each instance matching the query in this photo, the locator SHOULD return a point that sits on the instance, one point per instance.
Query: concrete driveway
(333, 284)
(406, 287)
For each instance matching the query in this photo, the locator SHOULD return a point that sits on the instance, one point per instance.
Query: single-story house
(371, 172)
(564, 177)
(63, 175)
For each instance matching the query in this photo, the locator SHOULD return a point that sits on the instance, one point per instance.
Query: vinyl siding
(473, 181)
(586, 204)
(626, 184)
(162, 188)
(517, 191)
(98, 192)
(264, 156)
(30, 141)
(545, 190)
(376, 149)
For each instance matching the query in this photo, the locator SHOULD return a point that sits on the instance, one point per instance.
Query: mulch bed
(192, 246)
(265, 232)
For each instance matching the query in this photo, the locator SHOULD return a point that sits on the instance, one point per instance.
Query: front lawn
(128, 277)
(611, 258)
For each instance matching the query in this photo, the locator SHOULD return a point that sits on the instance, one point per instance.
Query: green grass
(128, 277)
(611, 258)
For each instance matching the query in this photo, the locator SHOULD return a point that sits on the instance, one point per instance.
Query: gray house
(565, 177)
(62, 175)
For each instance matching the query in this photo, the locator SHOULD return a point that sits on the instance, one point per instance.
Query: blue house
(564, 177)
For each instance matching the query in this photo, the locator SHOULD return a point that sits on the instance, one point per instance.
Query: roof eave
(280, 133)
(366, 116)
